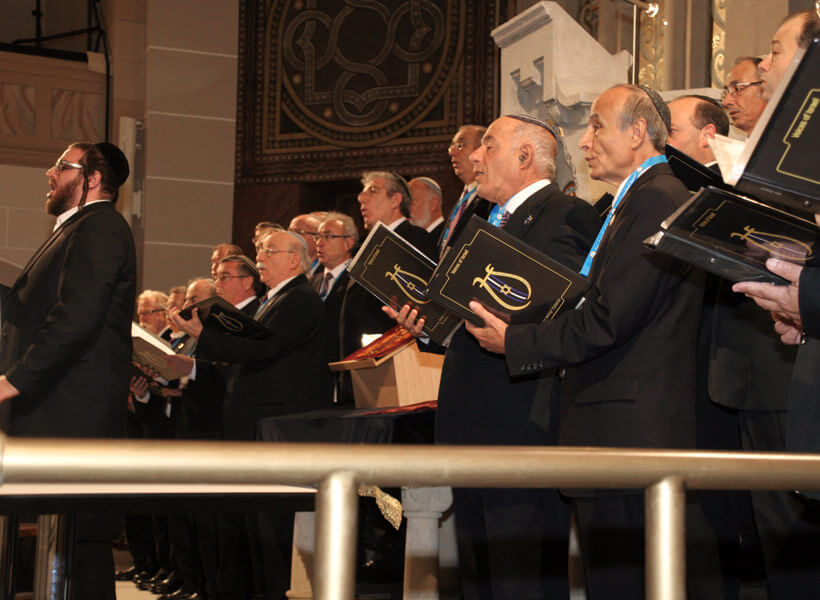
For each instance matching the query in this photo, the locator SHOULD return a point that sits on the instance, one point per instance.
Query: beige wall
(190, 123)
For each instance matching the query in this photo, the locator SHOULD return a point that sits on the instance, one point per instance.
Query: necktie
(504, 218)
(457, 213)
(260, 311)
(323, 292)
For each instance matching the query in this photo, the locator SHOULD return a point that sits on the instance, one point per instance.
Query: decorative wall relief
(17, 105)
(333, 87)
(718, 42)
(77, 115)
(652, 31)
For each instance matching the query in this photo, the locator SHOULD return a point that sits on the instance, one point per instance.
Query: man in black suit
(283, 374)
(784, 415)
(696, 120)
(237, 281)
(628, 352)
(386, 198)
(425, 208)
(512, 543)
(465, 141)
(68, 313)
(335, 241)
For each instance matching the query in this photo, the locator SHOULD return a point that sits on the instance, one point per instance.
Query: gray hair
(395, 184)
(298, 245)
(639, 105)
(348, 224)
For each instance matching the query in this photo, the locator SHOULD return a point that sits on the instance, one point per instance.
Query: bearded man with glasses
(66, 332)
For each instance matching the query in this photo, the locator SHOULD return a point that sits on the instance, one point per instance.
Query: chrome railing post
(336, 517)
(666, 540)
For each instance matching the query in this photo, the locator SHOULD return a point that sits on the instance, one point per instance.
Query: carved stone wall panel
(17, 109)
(44, 103)
(328, 89)
(77, 115)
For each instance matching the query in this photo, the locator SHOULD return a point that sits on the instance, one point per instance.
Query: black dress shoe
(180, 594)
(143, 575)
(170, 584)
(126, 574)
(158, 576)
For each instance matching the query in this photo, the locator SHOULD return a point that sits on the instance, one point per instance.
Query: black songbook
(732, 236)
(779, 162)
(220, 315)
(694, 175)
(513, 280)
(396, 272)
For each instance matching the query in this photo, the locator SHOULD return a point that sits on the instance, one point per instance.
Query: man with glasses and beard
(66, 335)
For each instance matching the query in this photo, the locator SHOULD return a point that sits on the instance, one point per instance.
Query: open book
(150, 350)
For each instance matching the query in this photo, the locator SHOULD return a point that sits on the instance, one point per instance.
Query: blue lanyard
(649, 162)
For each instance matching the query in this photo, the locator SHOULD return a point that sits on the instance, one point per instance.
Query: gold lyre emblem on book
(410, 284)
(776, 245)
(228, 322)
(511, 291)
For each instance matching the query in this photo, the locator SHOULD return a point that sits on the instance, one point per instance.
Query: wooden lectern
(392, 371)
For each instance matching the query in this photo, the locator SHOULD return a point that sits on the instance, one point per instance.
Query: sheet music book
(732, 236)
(779, 161)
(218, 314)
(510, 278)
(150, 350)
(396, 272)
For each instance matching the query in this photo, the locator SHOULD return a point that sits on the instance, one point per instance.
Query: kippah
(431, 183)
(533, 121)
(660, 107)
(403, 183)
(711, 101)
(115, 159)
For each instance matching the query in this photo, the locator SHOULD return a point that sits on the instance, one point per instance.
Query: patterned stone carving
(77, 115)
(17, 105)
(330, 87)
(718, 42)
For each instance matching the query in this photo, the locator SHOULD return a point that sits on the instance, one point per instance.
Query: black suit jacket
(803, 416)
(200, 406)
(66, 332)
(749, 367)
(417, 236)
(286, 373)
(629, 351)
(479, 402)
(477, 206)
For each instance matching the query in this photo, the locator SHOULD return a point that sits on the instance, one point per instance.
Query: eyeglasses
(733, 89)
(457, 146)
(145, 313)
(61, 165)
(269, 251)
(224, 276)
(326, 237)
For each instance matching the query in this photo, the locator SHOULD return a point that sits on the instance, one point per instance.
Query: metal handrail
(337, 469)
